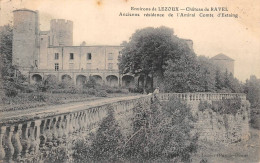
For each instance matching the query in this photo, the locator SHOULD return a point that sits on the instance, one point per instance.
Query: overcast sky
(98, 23)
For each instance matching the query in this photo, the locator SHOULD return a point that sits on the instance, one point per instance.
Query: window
(71, 65)
(110, 56)
(36, 63)
(89, 56)
(56, 67)
(56, 56)
(88, 66)
(71, 56)
(110, 66)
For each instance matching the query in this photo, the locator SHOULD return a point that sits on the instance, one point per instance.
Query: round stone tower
(25, 39)
(61, 32)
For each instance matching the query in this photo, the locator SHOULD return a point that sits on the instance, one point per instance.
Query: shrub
(39, 97)
(136, 90)
(39, 87)
(91, 83)
(51, 82)
(11, 92)
(66, 83)
(91, 91)
(255, 118)
(101, 93)
(203, 105)
(113, 90)
(227, 106)
(57, 155)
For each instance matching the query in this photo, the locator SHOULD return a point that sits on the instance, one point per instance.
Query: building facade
(40, 54)
(224, 63)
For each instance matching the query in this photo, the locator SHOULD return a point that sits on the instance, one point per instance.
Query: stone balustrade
(200, 96)
(21, 138)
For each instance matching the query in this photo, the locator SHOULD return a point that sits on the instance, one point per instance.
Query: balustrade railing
(21, 139)
(200, 96)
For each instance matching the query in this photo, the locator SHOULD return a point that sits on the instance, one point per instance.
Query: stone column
(9, 144)
(25, 140)
(48, 132)
(65, 126)
(54, 131)
(42, 133)
(2, 151)
(17, 143)
(59, 128)
(35, 136)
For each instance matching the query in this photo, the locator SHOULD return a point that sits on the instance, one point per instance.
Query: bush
(113, 90)
(51, 82)
(227, 106)
(11, 92)
(66, 90)
(136, 90)
(66, 83)
(57, 155)
(255, 118)
(203, 105)
(101, 93)
(91, 83)
(39, 97)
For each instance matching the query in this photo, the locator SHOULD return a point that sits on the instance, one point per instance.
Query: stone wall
(223, 128)
(213, 126)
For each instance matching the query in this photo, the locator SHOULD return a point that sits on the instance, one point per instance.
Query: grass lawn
(31, 100)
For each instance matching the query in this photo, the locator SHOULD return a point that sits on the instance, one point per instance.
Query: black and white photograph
(129, 81)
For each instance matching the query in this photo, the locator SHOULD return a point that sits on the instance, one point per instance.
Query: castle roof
(24, 9)
(222, 56)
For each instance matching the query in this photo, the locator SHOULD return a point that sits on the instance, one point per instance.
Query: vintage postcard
(130, 81)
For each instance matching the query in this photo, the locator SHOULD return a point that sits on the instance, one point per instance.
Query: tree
(51, 83)
(227, 83)
(6, 38)
(182, 71)
(148, 51)
(106, 144)
(252, 90)
(207, 74)
(219, 84)
(162, 133)
(235, 86)
(13, 80)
